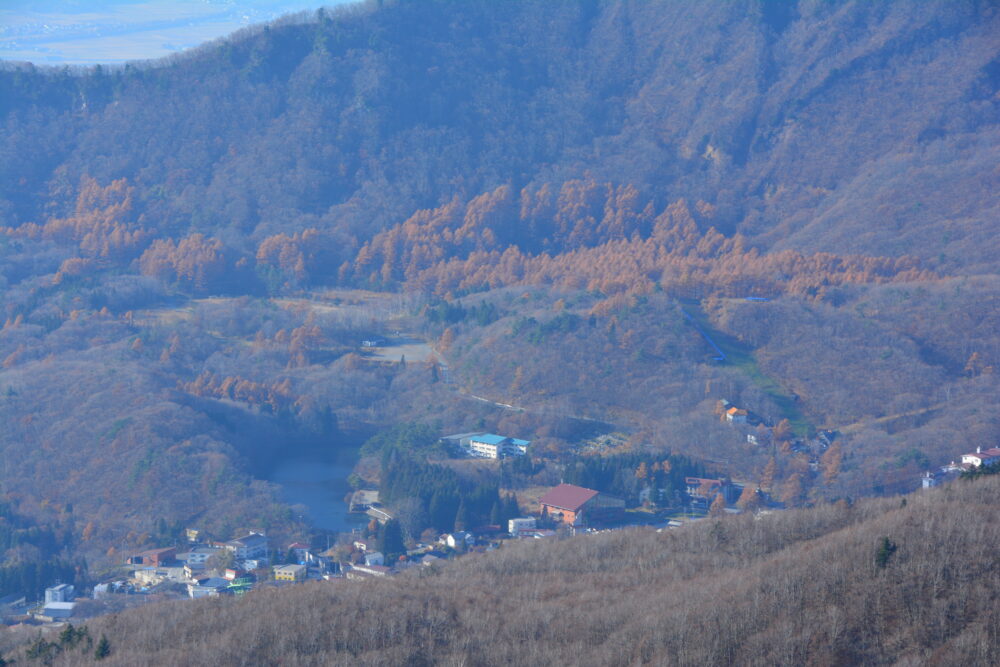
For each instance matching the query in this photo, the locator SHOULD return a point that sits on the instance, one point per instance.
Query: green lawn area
(740, 356)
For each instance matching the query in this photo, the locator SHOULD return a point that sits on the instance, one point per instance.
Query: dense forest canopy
(843, 127)
(562, 200)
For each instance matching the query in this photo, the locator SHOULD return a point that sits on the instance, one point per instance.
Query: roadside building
(492, 446)
(576, 505)
(199, 556)
(60, 593)
(488, 445)
(459, 540)
(736, 415)
(516, 526)
(252, 546)
(293, 573)
(207, 587)
(929, 480)
(154, 557)
(58, 611)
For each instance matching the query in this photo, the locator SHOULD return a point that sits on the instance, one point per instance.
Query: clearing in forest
(740, 356)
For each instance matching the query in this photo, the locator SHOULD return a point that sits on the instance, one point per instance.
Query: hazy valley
(748, 244)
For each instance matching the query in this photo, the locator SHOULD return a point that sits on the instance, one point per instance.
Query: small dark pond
(320, 484)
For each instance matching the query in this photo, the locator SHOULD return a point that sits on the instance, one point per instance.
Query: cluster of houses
(760, 433)
(251, 561)
(487, 445)
(219, 568)
(564, 507)
(60, 602)
(972, 460)
(209, 568)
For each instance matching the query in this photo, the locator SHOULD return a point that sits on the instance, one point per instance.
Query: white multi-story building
(517, 526)
(198, 556)
(492, 446)
(252, 546)
(60, 593)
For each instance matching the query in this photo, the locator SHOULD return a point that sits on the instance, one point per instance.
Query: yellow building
(289, 572)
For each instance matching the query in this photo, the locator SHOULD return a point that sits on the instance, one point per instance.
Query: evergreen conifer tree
(103, 649)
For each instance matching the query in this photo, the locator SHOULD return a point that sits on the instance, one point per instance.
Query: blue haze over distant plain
(87, 32)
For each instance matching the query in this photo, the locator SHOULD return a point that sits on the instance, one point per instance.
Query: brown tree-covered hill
(841, 127)
(591, 170)
(891, 581)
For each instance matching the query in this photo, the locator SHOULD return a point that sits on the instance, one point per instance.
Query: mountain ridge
(756, 130)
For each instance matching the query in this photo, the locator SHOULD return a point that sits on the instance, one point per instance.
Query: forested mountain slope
(879, 582)
(559, 197)
(843, 127)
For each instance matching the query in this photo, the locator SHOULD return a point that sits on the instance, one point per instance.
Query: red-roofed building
(982, 457)
(574, 505)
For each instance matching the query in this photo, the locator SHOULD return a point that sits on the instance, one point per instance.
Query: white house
(374, 558)
(251, 546)
(459, 540)
(982, 457)
(210, 587)
(198, 556)
(736, 415)
(517, 526)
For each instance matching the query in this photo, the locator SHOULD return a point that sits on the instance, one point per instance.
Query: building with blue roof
(493, 446)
